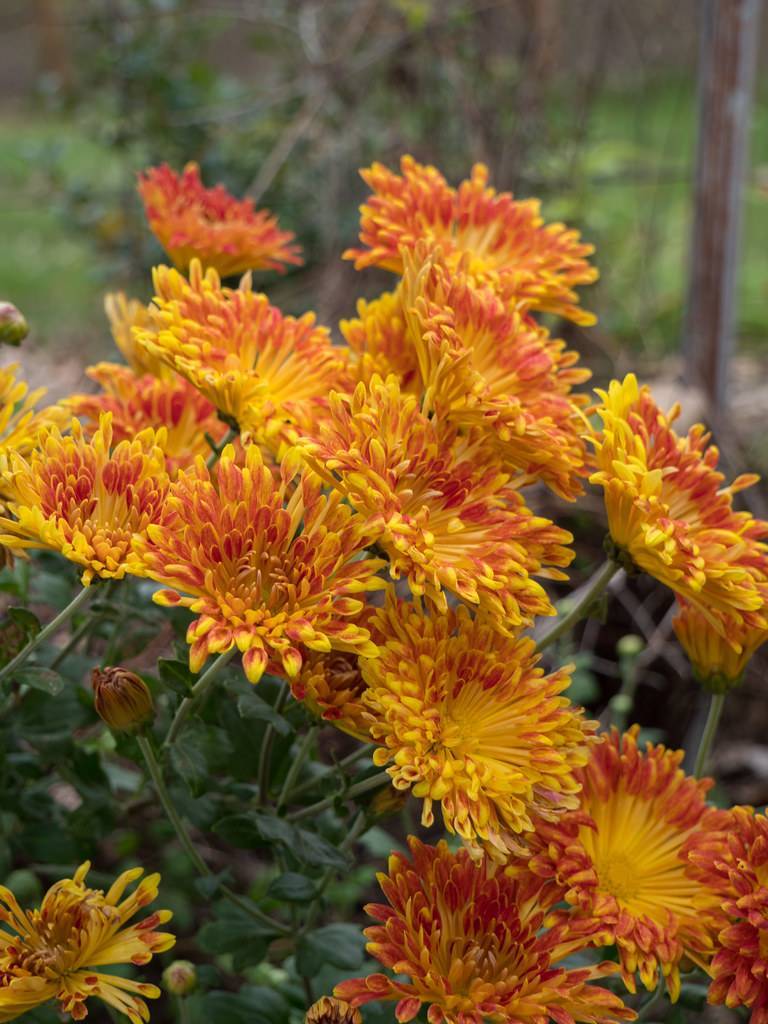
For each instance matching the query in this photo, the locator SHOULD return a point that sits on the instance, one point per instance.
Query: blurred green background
(589, 104)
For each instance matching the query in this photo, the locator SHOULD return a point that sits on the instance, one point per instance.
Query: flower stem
(374, 782)
(265, 755)
(590, 593)
(53, 627)
(652, 1003)
(716, 704)
(156, 774)
(296, 765)
(324, 776)
(198, 693)
(217, 449)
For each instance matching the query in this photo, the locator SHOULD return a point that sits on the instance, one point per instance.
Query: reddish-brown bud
(122, 699)
(332, 1011)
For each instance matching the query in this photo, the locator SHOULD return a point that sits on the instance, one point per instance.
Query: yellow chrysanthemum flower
(505, 240)
(259, 368)
(490, 367)
(20, 423)
(191, 221)
(380, 344)
(332, 687)
(447, 516)
(137, 402)
(618, 859)
(472, 944)
(667, 508)
(266, 566)
(124, 315)
(467, 719)
(54, 952)
(719, 656)
(80, 496)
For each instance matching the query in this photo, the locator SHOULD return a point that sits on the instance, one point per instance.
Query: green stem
(296, 765)
(716, 704)
(74, 640)
(374, 782)
(47, 631)
(217, 449)
(652, 1003)
(198, 693)
(359, 826)
(592, 590)
(345, 762)
(265, 755)
(156, 774)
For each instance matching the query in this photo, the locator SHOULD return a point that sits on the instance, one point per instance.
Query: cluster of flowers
(275, 483)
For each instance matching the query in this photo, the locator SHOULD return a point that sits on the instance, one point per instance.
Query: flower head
(618, 859)
(667, 508)
(194, 222)
(506, 241)
(490, 367)
(467, 719)
(20, 422)
(259, 368)
(332, 1011)
(121, 698)
(380, 343)
(266, 566)
(332, 686)
(54, 952)
(84, 498)
(719, 656)
(470, 943)
(447, 516)
(138, 402)
(730, 860)
(125, 316)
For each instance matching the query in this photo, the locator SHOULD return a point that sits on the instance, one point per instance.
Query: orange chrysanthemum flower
(82, 497)
(20, 422)
(506, 241)
(380, 343)
(259, 368)
(194, 222)
(267, 567)
(332, 1011)
(445, 514)
(469, 942)
(719, 656)
(332, 687)
(667, 508)
(618, 859)
(487, 366)
(466, 718)
(125, 315)
(55, 952)
(730, 861)
(146, 401)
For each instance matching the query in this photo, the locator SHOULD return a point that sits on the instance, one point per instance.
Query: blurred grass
(625, 179)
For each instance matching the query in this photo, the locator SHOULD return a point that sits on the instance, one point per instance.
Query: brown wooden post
(727, 62)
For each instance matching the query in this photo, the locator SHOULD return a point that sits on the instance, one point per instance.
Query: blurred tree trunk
(53, 43)
(728, 57)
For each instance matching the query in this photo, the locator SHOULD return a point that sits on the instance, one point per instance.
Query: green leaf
(292, 887)
(316, 851)
(188, 757)
(253, 1004)
(251, 706)
(236, 933)
(25, 620)
(341, 945)
(175, 675)
(40, 678)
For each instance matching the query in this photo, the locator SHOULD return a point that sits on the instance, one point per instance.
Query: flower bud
(122, 699)
(13, 326)
(332, 1011)
(180, 978)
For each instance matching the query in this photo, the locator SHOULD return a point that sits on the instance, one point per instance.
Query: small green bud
(180, 978)
(13, 326)
(630, 646)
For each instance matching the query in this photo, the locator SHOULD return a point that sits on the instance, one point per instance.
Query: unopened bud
(180, 978)
(122, 699)
(332, 1011)
(13, 326)
(630, 645)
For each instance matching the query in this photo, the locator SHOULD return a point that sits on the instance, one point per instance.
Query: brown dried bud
(13, 326)
(332, 1011)
(122, 699)
(180, 978)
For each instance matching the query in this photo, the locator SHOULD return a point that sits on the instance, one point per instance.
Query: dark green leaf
(314, 850)
(341, 945)
(26, 621)
(253, 1004)
(175, 675)
(251, 706)
(40, 678)
(292, 887)
(188, 757)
